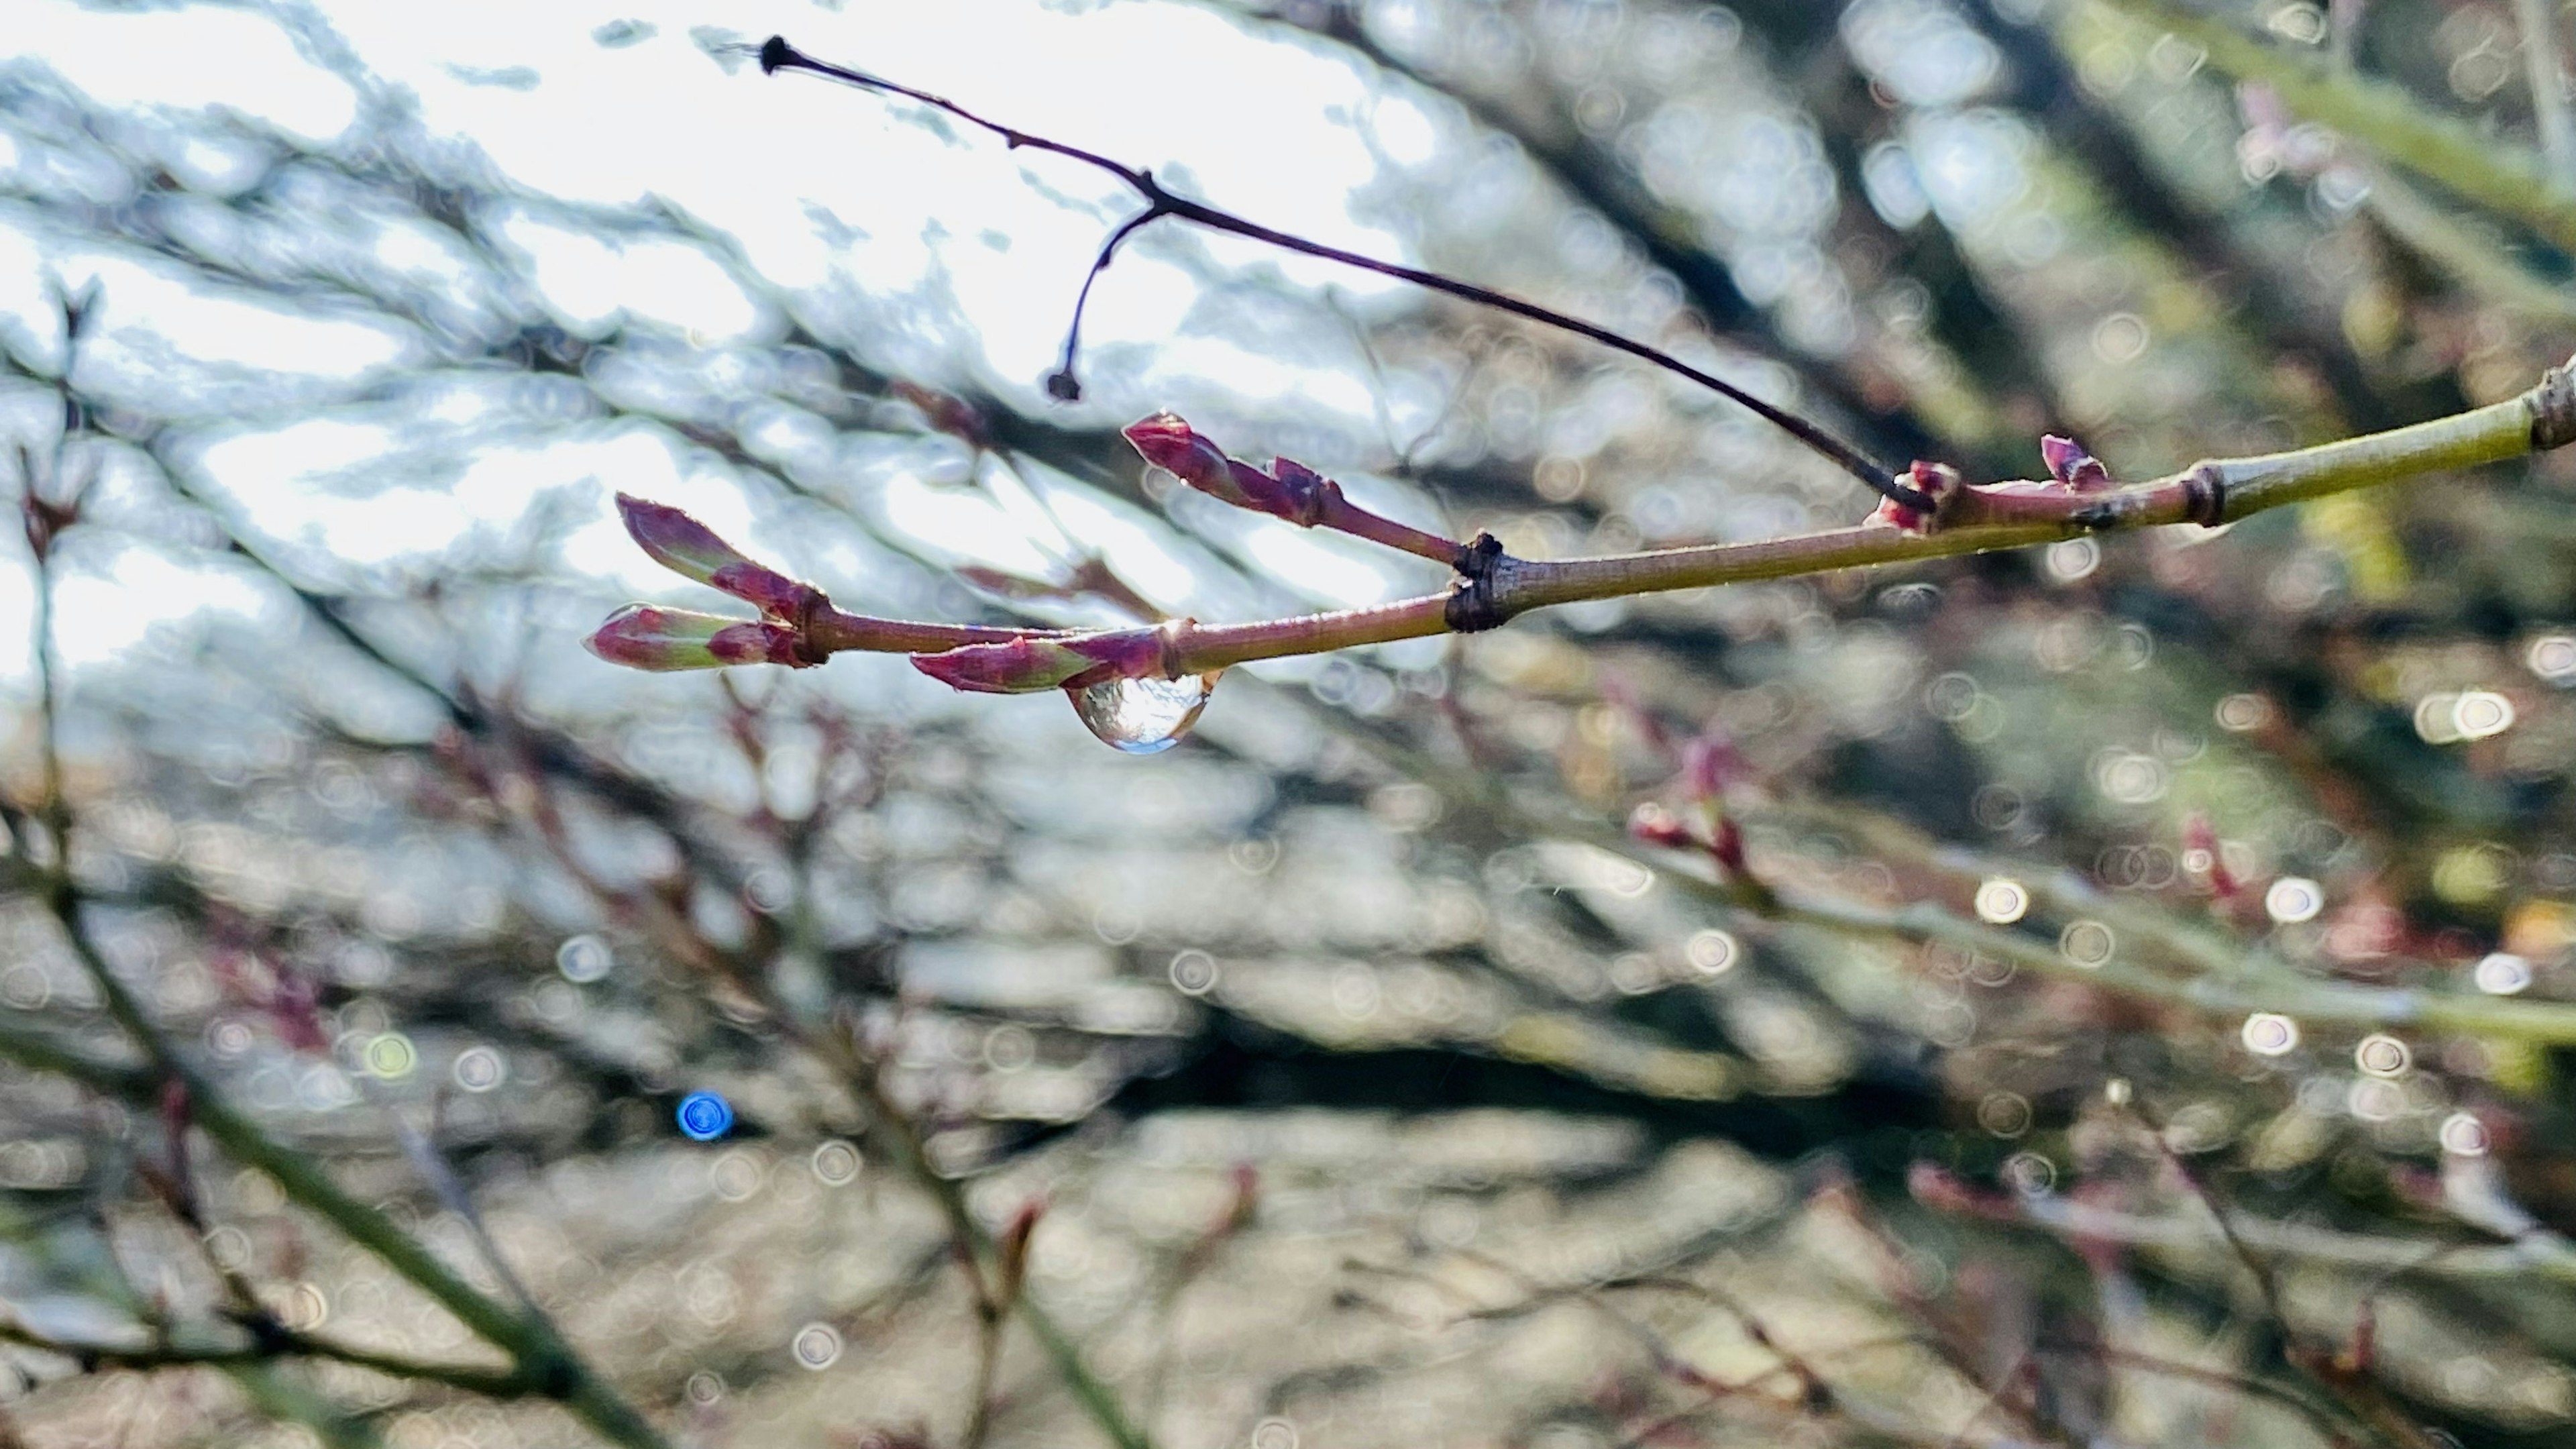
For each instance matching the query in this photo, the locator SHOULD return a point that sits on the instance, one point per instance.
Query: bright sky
(589, 110)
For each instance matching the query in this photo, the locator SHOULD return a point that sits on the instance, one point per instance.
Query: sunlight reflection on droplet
(390, 1056)
(2086, 943)
(2073, 559)
(2030, 1174)
(2293, 899)
(817, 1345)
(836, 1163)
(2001, 902)
(2502, 974)
(2553, 658)
(583, 958)
(2238, 713)
(2375, 1099)
(1711, 953)
(1194, 972)
(2480, 714)
(478, 1069)
(2004, 1114)
(2270, 1034)
(1141, 716)
(2463, 1135)
(2382, 1056)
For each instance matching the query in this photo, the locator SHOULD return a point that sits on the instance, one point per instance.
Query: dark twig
(776, 55)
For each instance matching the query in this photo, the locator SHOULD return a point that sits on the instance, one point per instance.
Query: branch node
(2553, 408)
(1472, 607)
(2204, 494)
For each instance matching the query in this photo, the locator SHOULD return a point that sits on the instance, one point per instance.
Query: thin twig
(776, 54)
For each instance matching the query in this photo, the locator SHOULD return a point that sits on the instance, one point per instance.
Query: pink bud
(690, 549)
(641, 636)
(1021, 666)
(2069, 464)
(1032, 662)
(1173, 445)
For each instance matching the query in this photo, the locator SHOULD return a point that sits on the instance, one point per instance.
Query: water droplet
(1712, 952)
(2073, 559)
(2375, 1099)
(2293, 899)
(2382, 1056)
(704, 1116)
(1274, 1434)
(737, 1175)
(1142, 716)
(1194, 972)
(583, 958)
(2030, 1174)
(2238, 713)
(479, 1069)
(2086, 943)
(2479, 715)
(2270, 1034)
(2001, 902)
(836, 1163)
(816, 1345)
(2005, 1114)
(2502, 974)
(2463, 1135)
(390, 1056)
(2553, 658)
(705, 1388)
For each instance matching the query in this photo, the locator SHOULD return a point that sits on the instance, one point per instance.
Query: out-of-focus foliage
(1374, 1089)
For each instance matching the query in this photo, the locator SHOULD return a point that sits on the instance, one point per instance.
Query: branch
(776, 55)
(264, 1343)
(1493, 587)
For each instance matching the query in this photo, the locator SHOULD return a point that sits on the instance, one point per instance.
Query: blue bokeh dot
(704, 1116)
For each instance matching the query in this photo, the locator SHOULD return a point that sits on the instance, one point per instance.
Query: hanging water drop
(1142, 716)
